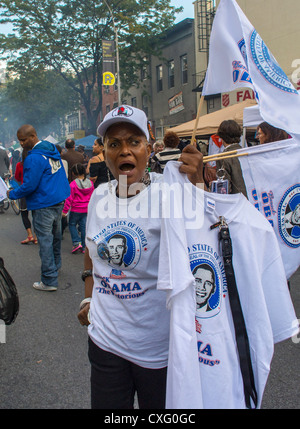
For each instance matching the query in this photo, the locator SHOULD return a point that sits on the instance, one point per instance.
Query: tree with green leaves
(36, 96)
(65, 36)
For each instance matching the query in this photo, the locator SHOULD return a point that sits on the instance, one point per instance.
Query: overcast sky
(188, 11)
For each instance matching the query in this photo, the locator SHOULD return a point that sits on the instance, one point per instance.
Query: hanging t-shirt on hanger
(203, 368)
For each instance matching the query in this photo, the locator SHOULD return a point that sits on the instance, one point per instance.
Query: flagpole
(193, 140)
(220, 158)
(217, 155)
(254, 150)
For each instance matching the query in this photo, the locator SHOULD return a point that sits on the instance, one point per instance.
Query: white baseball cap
(125, 113)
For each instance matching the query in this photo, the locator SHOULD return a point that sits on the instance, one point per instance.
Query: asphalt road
(44, 363)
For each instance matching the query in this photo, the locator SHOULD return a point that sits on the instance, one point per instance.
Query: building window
(184, 69)
(116, 88)
(145, 104)
(211, 104)
(159, 132)
(73, 123)
(133, 102)
(144, 74)
(159, 78)
(171, 74)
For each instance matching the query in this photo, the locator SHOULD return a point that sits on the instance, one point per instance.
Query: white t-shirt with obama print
(203, 369)
(128, 314)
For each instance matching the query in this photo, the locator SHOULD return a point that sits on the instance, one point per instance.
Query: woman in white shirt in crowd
(128, 323)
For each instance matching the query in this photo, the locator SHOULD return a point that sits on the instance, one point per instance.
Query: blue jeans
(47, 226)
(80, 220)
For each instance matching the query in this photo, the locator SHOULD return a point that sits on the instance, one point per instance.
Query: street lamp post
(117, 52)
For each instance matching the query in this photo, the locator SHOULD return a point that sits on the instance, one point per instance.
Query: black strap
(238, 319)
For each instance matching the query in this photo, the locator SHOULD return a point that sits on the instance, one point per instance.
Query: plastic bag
(9, 300)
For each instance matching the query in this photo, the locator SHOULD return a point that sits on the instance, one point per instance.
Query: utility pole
(117, 52)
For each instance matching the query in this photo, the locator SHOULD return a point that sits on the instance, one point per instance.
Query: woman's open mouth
(127, 167)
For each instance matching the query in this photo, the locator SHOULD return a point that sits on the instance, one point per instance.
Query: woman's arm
(89, 284)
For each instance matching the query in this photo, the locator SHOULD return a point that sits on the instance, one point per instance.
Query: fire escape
(206, 10)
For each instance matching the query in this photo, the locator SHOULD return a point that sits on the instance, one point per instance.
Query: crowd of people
(127, 318)
(228, 138)
(92, 168)
(52, 211)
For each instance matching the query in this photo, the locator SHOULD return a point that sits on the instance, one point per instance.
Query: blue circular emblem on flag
(267, 65)
(289, 217)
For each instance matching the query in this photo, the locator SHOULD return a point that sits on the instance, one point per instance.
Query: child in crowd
(31, 237)
(81, 192)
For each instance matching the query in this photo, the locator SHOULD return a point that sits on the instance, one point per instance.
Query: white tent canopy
(251, 117)
(51, 139)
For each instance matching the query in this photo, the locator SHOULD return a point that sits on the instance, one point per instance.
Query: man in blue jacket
(45, 187)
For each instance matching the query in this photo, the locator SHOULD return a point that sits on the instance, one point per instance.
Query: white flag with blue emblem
(272, 177)
(238, 57)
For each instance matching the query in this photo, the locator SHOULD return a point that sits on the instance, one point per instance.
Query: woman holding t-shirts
(128, 323)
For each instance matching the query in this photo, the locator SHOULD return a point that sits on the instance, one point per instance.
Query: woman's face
(126, 152)
(97, 148)
(262, 137)
(159, 148)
